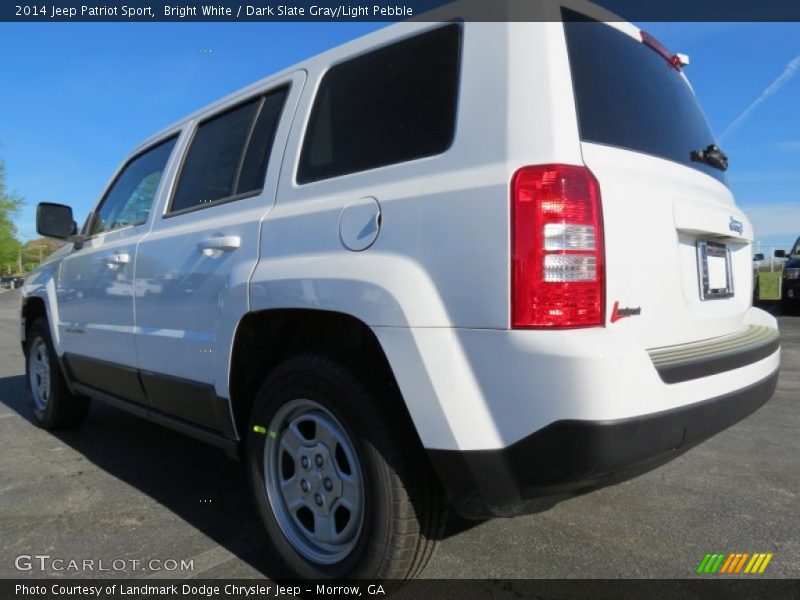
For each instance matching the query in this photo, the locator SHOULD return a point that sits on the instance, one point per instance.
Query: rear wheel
(52, 404)
(339, 477)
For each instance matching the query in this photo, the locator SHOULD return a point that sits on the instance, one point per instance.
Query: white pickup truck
(485, 266)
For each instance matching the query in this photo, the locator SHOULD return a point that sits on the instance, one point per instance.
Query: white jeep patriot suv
(485, 266)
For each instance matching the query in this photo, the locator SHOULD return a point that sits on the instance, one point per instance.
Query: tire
(52, 405)
(385, 507)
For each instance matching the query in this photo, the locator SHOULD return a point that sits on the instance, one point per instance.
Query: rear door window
(228, 156)
(628, 96)
(392, 105)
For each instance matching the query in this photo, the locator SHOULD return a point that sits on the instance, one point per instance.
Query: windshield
(627, 95)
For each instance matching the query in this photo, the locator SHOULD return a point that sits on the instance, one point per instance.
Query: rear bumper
(572, 457)
(719, 355)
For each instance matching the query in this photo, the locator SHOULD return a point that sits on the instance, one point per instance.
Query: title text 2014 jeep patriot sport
(479, 265)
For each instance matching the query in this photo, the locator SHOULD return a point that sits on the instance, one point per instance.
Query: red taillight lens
(557, 274)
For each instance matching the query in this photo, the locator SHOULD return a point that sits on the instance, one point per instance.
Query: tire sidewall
(40, 331)
(340, 397)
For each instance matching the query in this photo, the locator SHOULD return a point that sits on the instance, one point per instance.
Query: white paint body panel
(501, 386)
(95, 298)
(185, 328)
(651, 234)
(434, 284)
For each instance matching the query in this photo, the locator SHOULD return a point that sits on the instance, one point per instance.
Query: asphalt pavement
(122, 489)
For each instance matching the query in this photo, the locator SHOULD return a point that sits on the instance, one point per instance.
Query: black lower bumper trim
(572, 457)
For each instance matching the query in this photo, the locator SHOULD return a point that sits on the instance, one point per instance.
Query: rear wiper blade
(712, 155)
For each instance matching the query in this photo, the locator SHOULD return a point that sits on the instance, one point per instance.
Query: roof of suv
(543, 10)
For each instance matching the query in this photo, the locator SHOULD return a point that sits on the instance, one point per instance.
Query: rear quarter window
(392, 105)
(628, 96)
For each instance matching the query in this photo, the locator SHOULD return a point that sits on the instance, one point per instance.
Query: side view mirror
(758, 257)
(54, 220)
(780, 253)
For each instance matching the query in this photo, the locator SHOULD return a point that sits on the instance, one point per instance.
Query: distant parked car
(790, 280)
(780, 258)
(11, 282)
(757, 260)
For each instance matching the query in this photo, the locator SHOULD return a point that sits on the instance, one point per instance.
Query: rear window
(628, 96)
(392, 105)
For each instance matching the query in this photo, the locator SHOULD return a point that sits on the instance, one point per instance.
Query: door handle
(225, 243)
(118, 259)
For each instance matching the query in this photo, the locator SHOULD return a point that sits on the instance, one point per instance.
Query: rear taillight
(557, 274)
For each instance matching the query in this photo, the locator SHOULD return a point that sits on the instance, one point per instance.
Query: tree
(10, 206)
(35, 251)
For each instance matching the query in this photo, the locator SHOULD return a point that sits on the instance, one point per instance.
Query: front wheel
(52, 404)
(340, 480)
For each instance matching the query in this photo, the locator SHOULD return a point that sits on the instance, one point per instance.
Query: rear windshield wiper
(712, 156)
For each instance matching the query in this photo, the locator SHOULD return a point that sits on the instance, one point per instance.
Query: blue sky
(76, 97)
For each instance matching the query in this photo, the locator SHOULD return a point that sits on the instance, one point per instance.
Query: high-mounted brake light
(674, 60)
(557, 262)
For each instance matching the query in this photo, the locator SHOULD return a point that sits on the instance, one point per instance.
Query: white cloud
(771, 89)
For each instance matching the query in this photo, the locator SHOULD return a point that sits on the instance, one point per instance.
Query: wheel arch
(38, 299)
(264, 339)
(36, 306)
(33, 307)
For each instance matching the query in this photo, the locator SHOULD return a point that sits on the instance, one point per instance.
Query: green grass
(769, 286)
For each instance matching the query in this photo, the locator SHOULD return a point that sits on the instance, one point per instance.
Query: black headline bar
(700, 588)
(383, 10)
